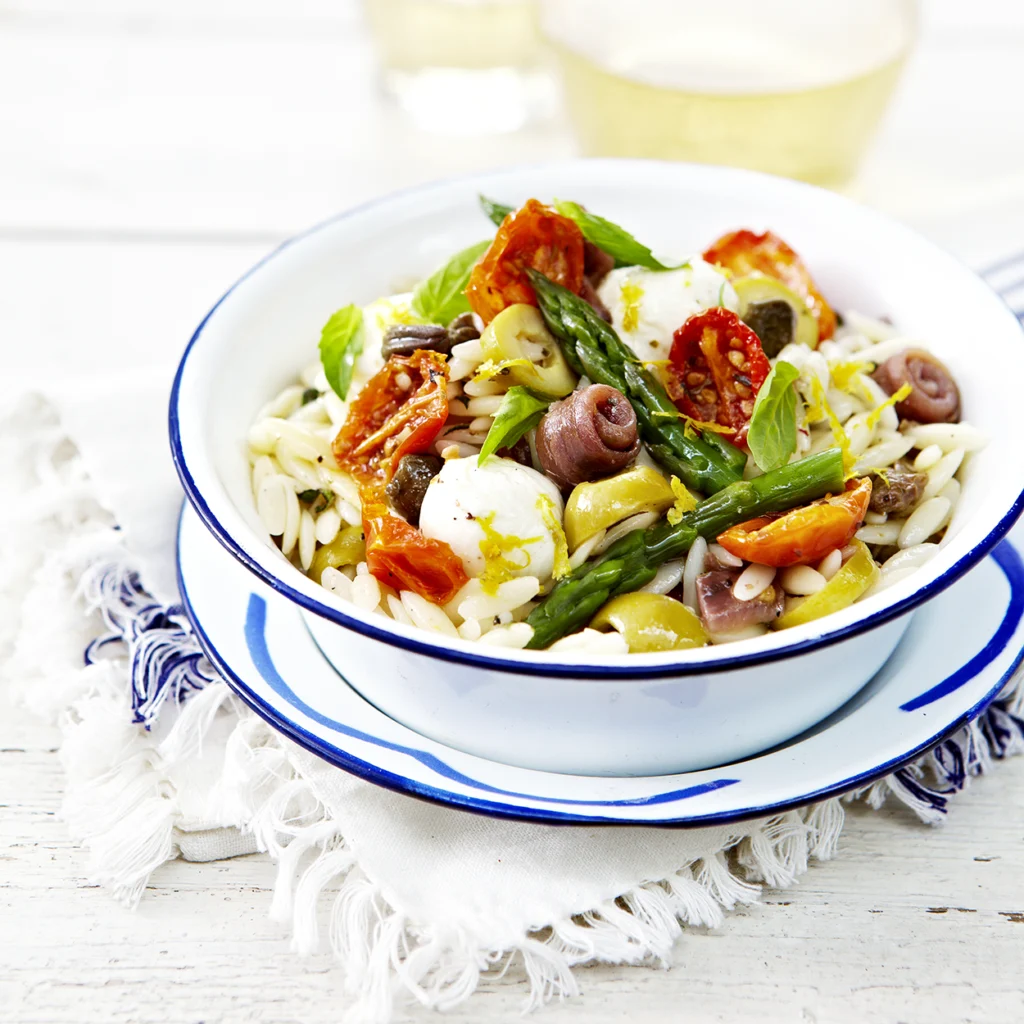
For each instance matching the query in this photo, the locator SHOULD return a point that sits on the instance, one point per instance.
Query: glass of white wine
(463, 67)
(791, 87)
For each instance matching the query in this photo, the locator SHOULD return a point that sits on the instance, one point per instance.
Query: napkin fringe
(926, 785)
(383, 952)
(165, 660)
(117, 802)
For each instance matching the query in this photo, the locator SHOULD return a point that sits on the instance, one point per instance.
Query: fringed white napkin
(163, 761)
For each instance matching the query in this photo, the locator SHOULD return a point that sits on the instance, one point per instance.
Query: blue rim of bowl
(495, 662)
(398, 783)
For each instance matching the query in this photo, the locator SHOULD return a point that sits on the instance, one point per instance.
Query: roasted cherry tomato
(534, 236)
(399, 555)
(400, 411)
(716, 367)
(802, 535)
(745, 253)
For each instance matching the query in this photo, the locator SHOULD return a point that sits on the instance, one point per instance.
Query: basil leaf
(442, 296)
(615, 241)
(520, 411)
(320, 500)
(341, 341)
(496, 212)
(772, 434)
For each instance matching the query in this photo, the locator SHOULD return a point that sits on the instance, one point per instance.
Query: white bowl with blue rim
(636, 715)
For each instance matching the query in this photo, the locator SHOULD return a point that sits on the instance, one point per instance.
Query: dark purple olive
(590, 434)
(519, 452)
(404, 339)
(935, 398)
(597, 264)
(589, 294)
(723, 613)
(408, 486)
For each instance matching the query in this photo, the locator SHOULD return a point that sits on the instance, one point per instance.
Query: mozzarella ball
(649, 306)
(468, 505)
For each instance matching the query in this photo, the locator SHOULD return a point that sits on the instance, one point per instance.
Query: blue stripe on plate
(480, 805)
(256, 641)
(1005, 556)
(1009, 560)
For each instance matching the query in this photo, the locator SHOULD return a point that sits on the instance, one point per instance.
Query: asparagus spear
(734, 457)
(592, 347)
(633, 561)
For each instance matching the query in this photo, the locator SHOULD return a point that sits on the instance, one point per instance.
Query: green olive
(858, 574)
(348, 548)
(761, 308)
(518, 336)
(651, 622)
(593, 507)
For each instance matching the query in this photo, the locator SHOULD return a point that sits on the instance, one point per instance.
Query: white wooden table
(149, 152)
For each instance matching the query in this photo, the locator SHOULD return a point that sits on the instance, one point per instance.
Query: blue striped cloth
(1007, 278)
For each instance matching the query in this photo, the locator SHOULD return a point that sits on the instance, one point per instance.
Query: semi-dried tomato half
(399, 554)
(744, 252)
(533, 237)
(802, 535)
(400, 411)
(716, 367)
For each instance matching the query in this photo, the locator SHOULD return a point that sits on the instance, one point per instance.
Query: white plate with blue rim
(960, 650)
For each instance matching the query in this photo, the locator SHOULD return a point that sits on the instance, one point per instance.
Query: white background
(149, 152)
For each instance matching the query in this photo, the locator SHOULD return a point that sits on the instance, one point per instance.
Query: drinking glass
(462, 67)
(792, 87)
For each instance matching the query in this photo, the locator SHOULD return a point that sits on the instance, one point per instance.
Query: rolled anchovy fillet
(724, 613)
(590, 434)
(591, 346)
(935, 398)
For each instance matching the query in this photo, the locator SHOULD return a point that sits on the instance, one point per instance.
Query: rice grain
(923, 522)
(696, 563)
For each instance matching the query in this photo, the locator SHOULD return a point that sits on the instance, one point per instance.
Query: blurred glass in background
(792, 87)
(463, 67)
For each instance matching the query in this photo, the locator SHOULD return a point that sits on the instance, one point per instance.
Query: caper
(775, 314)
(408, 486)
(463, 328)
(404, 339)
(774, 322)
